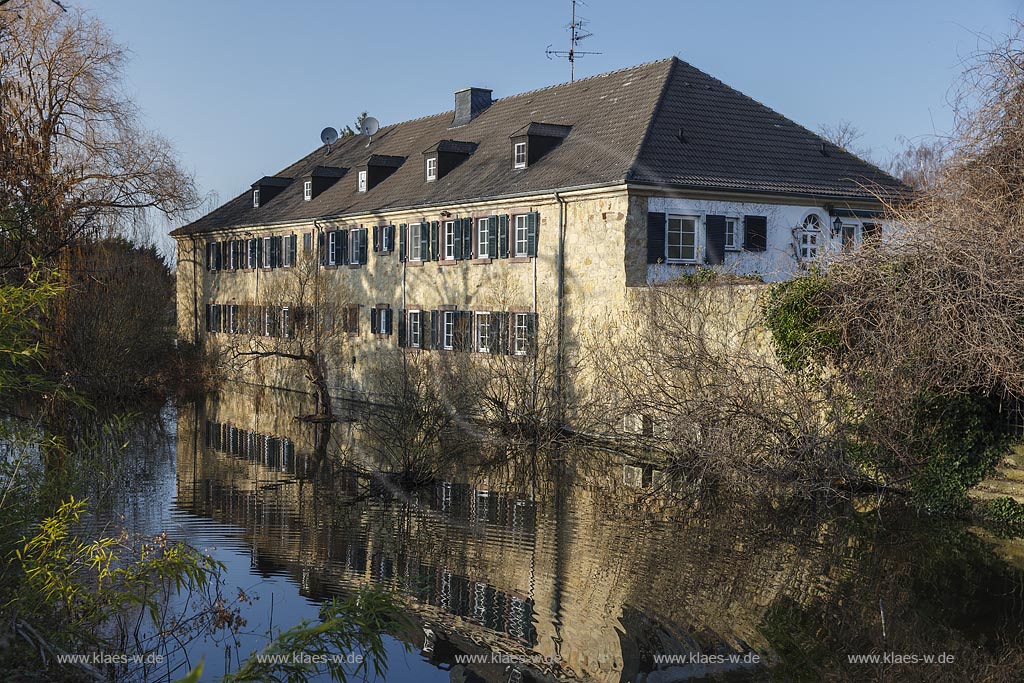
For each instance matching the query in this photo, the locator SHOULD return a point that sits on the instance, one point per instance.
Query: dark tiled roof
(452, 146)
(546, 130)
(623, 125)
(732, 142)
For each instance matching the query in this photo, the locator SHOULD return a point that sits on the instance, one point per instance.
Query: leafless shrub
(694, 385)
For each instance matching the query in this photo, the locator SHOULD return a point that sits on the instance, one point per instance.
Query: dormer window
(362, 181)
(307, 190)
(256, 199)
(519, 155)
(431, 169)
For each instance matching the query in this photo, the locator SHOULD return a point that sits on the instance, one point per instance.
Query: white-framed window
(448, 329)
(522, 245)
(358, 238)
(362, 181)
(519, 155)
(415, 329)
(849, 236)
(383, 321)
(232, 319)
(387, 238)
(307, 190)
(483, 332)
(416, 241)
(521, 334)
(482, 238)
(449, 240)
(332, 241)
(733, 239)
(251, 251)
(286, 319)
(809, 238)
(256, 199)
(268, 321)
(431, 168)
(267, 241)
(681, 239)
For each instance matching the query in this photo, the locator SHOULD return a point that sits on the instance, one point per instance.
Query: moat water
(554, 566)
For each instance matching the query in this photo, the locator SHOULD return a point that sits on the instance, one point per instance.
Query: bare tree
(292, 322)
(76, 161)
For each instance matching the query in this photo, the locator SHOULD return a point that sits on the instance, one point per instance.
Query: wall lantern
(837, 226)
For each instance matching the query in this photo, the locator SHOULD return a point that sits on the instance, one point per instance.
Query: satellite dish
(328, 136)
(369, 126)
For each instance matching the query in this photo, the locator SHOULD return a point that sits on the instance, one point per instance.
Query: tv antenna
(369, 127)
(328, 136)
(577, 32)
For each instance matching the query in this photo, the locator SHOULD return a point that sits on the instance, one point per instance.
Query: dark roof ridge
(674, 62)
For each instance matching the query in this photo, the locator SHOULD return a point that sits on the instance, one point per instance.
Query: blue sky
(243, 88)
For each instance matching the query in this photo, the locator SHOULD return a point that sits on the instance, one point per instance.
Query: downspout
(560, 311)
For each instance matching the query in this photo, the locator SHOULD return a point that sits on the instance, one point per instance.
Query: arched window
(809, 238)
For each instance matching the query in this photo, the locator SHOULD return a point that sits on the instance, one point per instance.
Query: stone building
(466, 231)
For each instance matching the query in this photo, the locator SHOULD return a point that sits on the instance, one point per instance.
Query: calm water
(572, 557)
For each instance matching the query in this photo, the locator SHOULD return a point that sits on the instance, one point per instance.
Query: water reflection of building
(569, 566)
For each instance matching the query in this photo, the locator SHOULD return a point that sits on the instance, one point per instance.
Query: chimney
(470, 103)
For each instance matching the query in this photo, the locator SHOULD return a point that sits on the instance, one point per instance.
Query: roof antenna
(577, 32)
(369, 127)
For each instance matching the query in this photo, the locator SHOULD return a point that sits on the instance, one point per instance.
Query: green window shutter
(363, 244)
(503, 236)
(656, 231)
(401, 329)
(532, 220)
(494, 334)
(401, 242)
(467, 238)
(374, 314)
(714, 242)
(435, 237)
(755, 233)
(376, 239)
(293, 249)
(341, 248)
(435, 317)
(389, 322)
(492, 237)
(457, 238)
(320, 240)
(531, 334)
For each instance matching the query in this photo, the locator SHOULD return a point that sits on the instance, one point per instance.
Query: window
(232, 319)
(415, 242)
(522, 247)
(415, 329)
(380, 320)
(809, 238)
(482, 238)
(362, 181)
(255, 199)
(448, 330)
(387, 238)
(286, 322)
(732, 233)
(849, 234)
(291, 243)
(519, 155)
(483, 332)
(250, 249)
(431, 168)
(681, 242)
(332, 243)
(449, 240)
(521, 334)
(268, 322)
(307, 190)
(352, 319)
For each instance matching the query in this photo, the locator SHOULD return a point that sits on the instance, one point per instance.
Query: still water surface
(574, 558)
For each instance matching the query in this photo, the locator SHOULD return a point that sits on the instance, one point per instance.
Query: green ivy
(1004, 516)
(792, 313)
